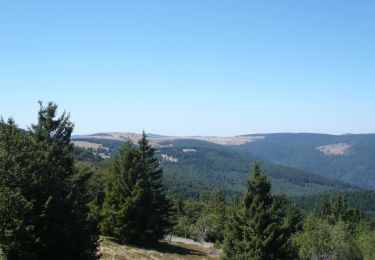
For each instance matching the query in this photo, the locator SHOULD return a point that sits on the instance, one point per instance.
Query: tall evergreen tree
(258, 227)
(135, 208)
(42, 211)
(124, 197)
(160, 209)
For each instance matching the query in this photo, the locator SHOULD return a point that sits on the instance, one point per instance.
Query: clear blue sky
(191, 67)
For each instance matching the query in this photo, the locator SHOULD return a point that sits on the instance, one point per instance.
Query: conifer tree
(124, 197)
(42, 211)
(160, 208)
(336, 208)
(135, 208)
(258, 227)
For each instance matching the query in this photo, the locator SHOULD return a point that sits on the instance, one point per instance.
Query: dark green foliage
(160, 209)
(293, 221)
(82, 154)
(43, 208)
(93, 186)
(227, 168)
(185, 189)
(362, 200)
(135, 208)
(221, 166)
(335, 209)
(259, 226)
(202, 219)
(123, 197)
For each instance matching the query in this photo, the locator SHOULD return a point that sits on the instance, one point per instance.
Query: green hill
(193, 166)
(222, 167)
(349, 158)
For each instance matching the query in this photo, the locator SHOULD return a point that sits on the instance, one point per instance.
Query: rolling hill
(349, 158)
(192, 165)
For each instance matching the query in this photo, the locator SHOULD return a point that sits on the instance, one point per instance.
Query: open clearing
(334, 149)
(164, 251)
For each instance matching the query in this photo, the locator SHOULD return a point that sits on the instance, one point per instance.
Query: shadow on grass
(164, 247)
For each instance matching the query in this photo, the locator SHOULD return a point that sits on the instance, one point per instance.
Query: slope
(222, 167)
(192, 165)
(349, 158)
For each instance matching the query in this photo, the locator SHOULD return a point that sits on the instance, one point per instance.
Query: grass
(111, 250)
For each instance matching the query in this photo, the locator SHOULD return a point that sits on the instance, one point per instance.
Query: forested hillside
(363, 200)
(229, 170)
(348, 158)
(193, 165)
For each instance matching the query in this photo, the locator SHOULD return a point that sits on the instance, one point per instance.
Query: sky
(197, 67)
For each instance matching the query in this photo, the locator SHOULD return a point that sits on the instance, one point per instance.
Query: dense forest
(355, 166)
(363, 200)
(207, 164)
(57, 201)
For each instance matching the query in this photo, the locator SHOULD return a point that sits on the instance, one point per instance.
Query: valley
(297, 164)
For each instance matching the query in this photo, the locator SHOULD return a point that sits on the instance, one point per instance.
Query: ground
(334, 149)
(163, 251)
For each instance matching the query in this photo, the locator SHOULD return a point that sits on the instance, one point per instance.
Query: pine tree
(258, 227)
(160, 208)
(124, 197)
(135, 208)
(43, 213)
(16, 235)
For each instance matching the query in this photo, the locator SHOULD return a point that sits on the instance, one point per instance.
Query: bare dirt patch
(188, 150)
(334, 149)
(166, 157)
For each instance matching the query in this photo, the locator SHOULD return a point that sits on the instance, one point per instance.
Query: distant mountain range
(296, 163)
(158, 139)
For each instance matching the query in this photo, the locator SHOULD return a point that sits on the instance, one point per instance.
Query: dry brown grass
(230, 140)
(163, 251)
(86, 145)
